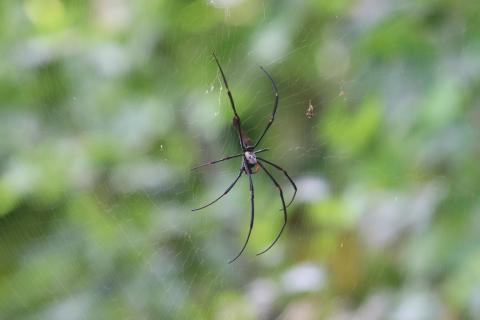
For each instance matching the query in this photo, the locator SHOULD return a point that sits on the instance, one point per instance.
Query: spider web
(108, 104)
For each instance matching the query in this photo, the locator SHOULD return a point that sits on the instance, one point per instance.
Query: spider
(251, 163)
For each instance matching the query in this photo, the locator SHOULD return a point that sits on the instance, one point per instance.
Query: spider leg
(261, 150)
(286, 174)
(252, 215)
(275, 105)
(232, 103)
(226, 158)
(216, 161)
(224, 193)
(284, 208)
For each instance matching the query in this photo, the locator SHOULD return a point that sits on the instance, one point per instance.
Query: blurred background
(106, 105)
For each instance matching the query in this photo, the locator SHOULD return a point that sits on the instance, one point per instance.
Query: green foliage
(349, 132)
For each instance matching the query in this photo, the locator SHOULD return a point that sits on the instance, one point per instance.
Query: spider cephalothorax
(251, 163)
(250, 157)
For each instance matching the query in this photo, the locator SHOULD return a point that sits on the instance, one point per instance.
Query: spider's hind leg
(286, 175)
(283, 206)
(252, 214)
(224, 193)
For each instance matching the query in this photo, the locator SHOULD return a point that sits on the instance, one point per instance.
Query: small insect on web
(310, 113)
(250, 162)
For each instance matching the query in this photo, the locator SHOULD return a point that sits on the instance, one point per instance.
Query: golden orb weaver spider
(250, 162)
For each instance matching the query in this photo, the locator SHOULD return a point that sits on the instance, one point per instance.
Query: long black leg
(252, 214)
(283, 204)
(286, 174)
(230, 96)
(227, 158)
(216, 161)
(261, 150)
(275, 105)
(224, 193)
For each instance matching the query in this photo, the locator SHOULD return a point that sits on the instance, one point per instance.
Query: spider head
(251, 158)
